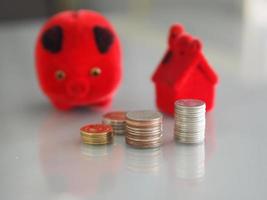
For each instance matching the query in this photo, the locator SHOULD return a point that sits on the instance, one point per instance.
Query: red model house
(184, 72)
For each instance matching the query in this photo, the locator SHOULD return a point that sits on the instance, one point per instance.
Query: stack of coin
(117, 120)
(144, 129)
(97, 134)
(190, 120)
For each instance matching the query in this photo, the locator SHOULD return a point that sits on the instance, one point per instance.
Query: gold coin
(96, 134)
(96, 129)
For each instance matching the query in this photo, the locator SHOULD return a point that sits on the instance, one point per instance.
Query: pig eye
(95, 71)
(60, 75)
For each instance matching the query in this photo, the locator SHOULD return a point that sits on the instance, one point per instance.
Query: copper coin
(115, 117)
(92, 129)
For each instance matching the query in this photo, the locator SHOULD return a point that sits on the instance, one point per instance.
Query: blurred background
(225, 26)
(16, 9)
(233, 32)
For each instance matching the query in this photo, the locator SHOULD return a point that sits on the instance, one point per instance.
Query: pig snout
(78, 88)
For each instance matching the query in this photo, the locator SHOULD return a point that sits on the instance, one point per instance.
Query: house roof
(184, 55)
(175, 74)
(205, 67)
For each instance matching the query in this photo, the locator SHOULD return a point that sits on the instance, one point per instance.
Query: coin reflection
(95, 151)
(144, 160)
(190, 161)
(72, 167)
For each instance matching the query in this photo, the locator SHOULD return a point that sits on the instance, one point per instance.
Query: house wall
(165, 97)
(198, 87)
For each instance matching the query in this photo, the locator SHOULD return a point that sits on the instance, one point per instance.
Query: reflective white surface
(40, 149)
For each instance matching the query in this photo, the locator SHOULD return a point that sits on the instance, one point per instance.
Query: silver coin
(119, 129)
(191, 123)
(192, 133)
(136, 135)
(188, 135)
(190, 103)
(144, 115)
(190, 113)
(190, 109)
(115, 125)
(186, 140)
(190, 127)
(195, 136)
(190, 120)
(144, 140)
(145, 131)
(119, 132)
(143, 134)
(152, 129)
(144, 126)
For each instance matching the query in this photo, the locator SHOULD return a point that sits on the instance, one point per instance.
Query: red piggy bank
(78, 59)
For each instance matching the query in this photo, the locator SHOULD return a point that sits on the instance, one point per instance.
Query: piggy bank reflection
(78, 59)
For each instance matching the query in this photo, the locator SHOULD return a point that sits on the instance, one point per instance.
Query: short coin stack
(117, 120)
(144, 129)
(190, 120)
(97, 134)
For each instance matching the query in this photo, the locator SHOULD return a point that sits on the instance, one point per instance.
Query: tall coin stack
(190, 120)
(96, 134)
(117, 120)
(144, 129)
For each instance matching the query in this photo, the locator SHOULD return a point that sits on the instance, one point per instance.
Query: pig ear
(52, 39)
(103, 38)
